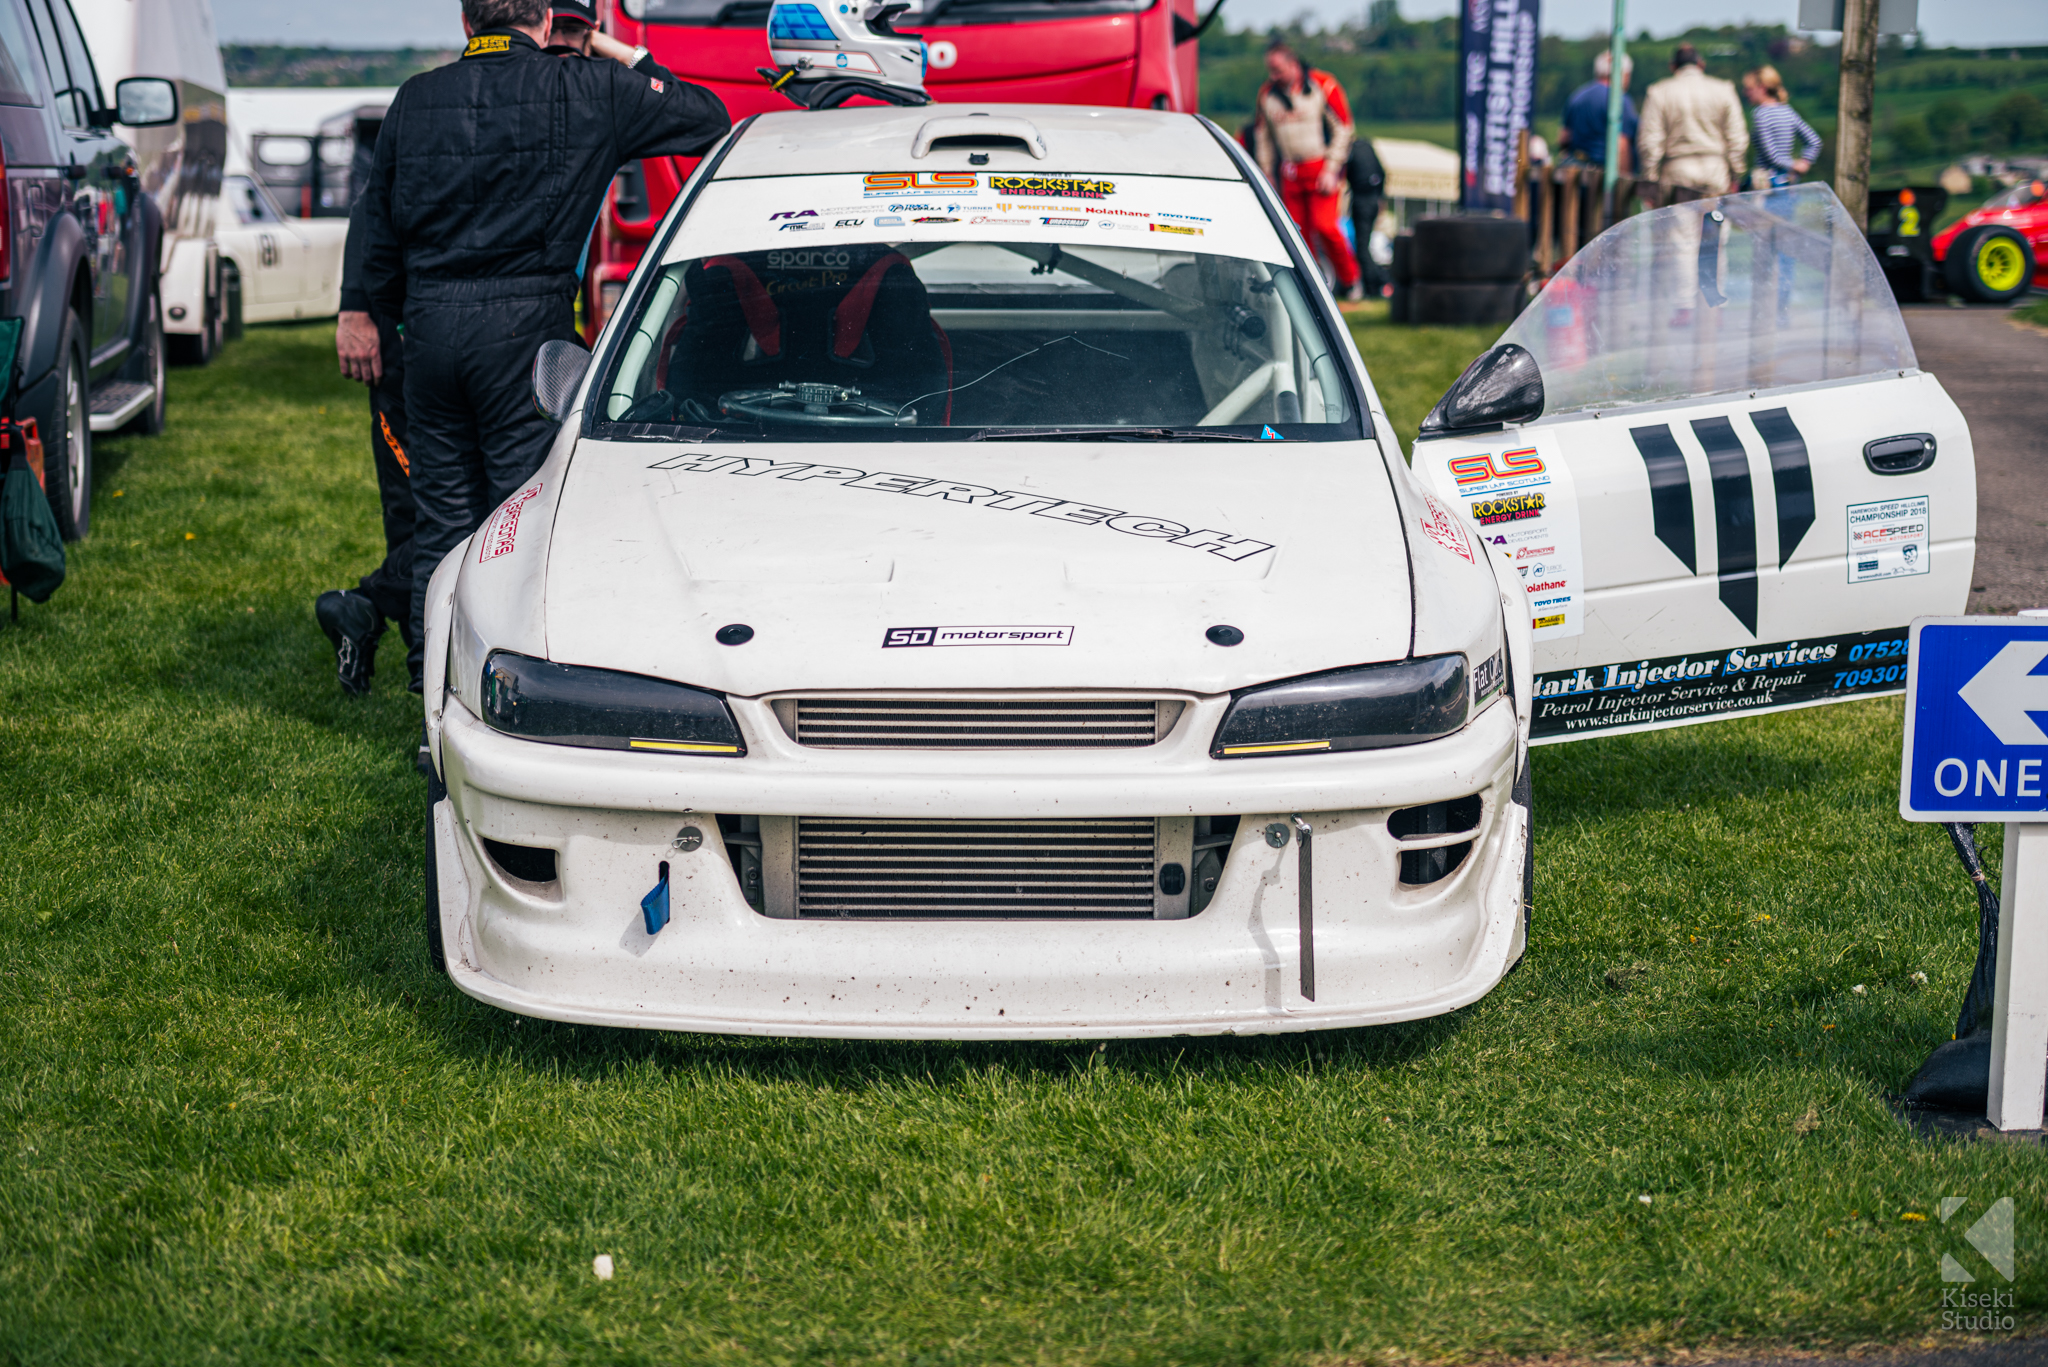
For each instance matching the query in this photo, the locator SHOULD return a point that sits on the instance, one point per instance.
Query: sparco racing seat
(769, 334)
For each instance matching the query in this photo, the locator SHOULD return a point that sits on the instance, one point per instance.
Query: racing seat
(840, 315)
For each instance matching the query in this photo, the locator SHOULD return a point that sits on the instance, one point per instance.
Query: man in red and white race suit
(1302, 138)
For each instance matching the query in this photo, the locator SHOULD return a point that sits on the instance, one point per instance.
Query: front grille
(995, 724)
(879, 868)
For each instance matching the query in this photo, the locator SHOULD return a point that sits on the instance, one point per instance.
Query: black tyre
(1401, 303)
(437, 954)
(1991, 264)
(197, 348)
(146, 366)
(230, 302)
(1471, 249)
(1447, 303)
(1402, 270)
(67, 437)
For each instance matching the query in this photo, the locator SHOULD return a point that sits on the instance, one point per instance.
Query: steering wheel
(817, 405)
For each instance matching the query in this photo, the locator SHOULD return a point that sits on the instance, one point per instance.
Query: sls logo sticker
(500, 535)
(897, 637)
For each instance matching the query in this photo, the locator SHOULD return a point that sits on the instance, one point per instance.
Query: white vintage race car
(974, 594)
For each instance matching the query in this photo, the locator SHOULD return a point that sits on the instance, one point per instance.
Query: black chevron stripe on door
(1734, 517)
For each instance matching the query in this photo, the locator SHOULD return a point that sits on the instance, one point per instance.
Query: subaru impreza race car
(974, 593)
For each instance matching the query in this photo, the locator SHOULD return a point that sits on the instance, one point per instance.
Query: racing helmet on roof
(827, 51)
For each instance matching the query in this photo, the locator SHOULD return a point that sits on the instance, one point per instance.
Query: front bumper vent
(977, 724)
(1035, 870)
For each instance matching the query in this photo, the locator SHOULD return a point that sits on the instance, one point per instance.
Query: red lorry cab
(1130, 53)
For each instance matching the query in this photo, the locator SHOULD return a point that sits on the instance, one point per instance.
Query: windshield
(1749, 291)
(980, 320)
(2024, 195)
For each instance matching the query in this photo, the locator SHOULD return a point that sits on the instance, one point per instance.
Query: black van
(78, 247)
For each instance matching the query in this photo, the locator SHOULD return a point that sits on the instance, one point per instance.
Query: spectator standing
(488, 173)
(1303, 137)
(1692, 139)
(1778, 128)
(1583, 138)
(370, 351)
(1368, 182)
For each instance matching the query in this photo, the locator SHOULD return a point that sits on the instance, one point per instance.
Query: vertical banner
(1497, 56)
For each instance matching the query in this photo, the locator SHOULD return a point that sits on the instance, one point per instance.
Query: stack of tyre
(1460, 270)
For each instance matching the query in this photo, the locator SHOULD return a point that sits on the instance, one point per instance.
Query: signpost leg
(2019, 1023)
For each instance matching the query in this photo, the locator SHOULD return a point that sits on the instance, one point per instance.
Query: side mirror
(557, 375)
(1502, 386)
(145, 102)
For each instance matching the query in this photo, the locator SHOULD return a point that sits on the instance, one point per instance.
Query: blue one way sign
(1976, 720)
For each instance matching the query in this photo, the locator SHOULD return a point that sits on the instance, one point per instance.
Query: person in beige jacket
(1692, 136)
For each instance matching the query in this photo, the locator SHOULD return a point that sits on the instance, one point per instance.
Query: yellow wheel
(1991, 264)
(2000, 264)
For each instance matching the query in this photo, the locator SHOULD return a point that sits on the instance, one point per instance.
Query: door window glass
(17, 60)
(250, 202)
(85, 84)
(70, 109)
(1741, 292)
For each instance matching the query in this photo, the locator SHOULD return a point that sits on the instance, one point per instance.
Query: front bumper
(576, 950)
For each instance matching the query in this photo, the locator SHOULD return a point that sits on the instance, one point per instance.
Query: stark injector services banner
(1497, 56)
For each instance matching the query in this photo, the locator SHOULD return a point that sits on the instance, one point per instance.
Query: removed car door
(1711, 455)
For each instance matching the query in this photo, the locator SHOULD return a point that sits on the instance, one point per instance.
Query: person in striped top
(1776, 129)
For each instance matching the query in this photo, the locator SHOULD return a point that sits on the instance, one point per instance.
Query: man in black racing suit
(489, 172)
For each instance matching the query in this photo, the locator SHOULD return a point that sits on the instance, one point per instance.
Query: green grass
(2035, 313)
(1411, 367)
(243, 1123)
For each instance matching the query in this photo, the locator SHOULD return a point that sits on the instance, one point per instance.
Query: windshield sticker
(898, 637)
(500, 535)
(1889, 540)
(1159, 214)
(1524, 506)
(980, 495)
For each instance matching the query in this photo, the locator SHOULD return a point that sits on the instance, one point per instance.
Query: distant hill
(250, 64)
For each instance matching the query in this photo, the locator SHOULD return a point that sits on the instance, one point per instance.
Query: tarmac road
(1997, 372)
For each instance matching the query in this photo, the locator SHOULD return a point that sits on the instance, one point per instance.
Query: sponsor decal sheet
(1889, 539)
(1519, 499)
(813, 213)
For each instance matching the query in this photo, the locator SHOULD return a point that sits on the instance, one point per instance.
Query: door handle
(1903, 455)
(76, 172)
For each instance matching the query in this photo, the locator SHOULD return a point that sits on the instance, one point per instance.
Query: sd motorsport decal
(1571, 704)
(980, 495)
(898, 637)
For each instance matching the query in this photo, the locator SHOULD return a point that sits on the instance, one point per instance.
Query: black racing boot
(353, 623)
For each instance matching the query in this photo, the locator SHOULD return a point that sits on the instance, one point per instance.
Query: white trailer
(179, 165)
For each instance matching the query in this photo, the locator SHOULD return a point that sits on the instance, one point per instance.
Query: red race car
(1999, 248)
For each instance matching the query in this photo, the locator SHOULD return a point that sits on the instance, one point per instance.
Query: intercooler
(876, 868)
(988, 723)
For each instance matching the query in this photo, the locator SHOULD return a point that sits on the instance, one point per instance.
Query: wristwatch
(637, 56)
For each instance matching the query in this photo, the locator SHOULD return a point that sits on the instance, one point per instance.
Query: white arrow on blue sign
(1976, 720)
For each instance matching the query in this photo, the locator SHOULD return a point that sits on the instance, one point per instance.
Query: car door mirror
(557, 375)
(1502, 386)
(145, 102)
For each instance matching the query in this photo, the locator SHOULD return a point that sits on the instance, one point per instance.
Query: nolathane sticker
(500, 535)
(982, 496)
(898, 637)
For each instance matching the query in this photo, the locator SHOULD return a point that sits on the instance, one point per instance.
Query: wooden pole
(1852, 133)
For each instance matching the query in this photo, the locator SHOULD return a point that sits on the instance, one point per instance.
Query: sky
(438, 23)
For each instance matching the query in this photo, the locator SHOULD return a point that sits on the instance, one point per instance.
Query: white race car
(974, 593)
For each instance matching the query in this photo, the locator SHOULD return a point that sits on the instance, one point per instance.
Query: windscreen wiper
(1108, 434)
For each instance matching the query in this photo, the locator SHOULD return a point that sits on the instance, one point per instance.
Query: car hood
(1108, 562)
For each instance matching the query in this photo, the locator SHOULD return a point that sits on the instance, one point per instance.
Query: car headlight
(604, 709)
(1367, 708)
